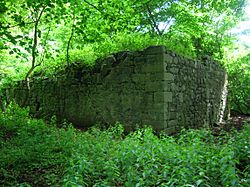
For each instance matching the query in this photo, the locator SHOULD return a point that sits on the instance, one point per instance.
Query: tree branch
(98, 9)
(33, 52)
(169, 21)
(70, 38)
(44, 46)
(19, 24)
(35, 38)
(151, 17)
(95, 7)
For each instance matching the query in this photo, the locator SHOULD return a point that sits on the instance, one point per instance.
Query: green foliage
(143, 159)
(89, 53)
(32, 152)
(62, 25)
(242, 150)
(37, 154)
(10, 71)
(239, 84)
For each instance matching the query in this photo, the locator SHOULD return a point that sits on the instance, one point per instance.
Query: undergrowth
(89, 53)
(33, 153)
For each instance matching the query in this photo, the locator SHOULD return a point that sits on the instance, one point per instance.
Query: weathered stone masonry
(152, 87)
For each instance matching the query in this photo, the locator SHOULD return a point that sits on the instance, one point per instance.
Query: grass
(33, 153)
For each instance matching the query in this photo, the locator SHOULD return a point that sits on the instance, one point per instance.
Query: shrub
(239, 83)
(38, 154)
(31, 152)
(242, 151)
(143, 159)
(89, 53)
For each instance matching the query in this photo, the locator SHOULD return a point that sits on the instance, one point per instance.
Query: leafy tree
(239, 84)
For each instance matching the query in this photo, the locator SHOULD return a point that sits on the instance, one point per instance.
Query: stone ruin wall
(153, 87)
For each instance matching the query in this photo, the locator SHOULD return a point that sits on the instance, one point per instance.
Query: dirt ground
(235, 122)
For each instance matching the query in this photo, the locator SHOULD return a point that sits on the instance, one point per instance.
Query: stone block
(152, 68)
(139, 60)
(174, 70)
(154, 59)
(140, 77)
(159, 97)
(157, 107)
(172, 123)
(181, 97)
(170, 130)
(156, 76)
(168, 58)
(153, 86)
(174, 87)
(168, 97)
(172, 115)
(155, 50)
(168, 76)
(167, 86)
(176, 60)
(165, 97)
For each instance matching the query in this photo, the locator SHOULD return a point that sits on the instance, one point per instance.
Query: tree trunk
(70, 38)
(33, 63)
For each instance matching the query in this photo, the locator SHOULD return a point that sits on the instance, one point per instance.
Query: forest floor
(235, 122)
(35, 153)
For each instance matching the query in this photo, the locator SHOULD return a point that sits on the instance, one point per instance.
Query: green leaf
(199, 182)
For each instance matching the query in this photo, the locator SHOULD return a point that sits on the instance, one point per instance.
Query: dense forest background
(41, 38)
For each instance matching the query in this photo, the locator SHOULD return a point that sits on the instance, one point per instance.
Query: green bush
(89, 53)
(239, 84)
(242, 151)
(143, 159)
(32, 152)
(38, 154)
